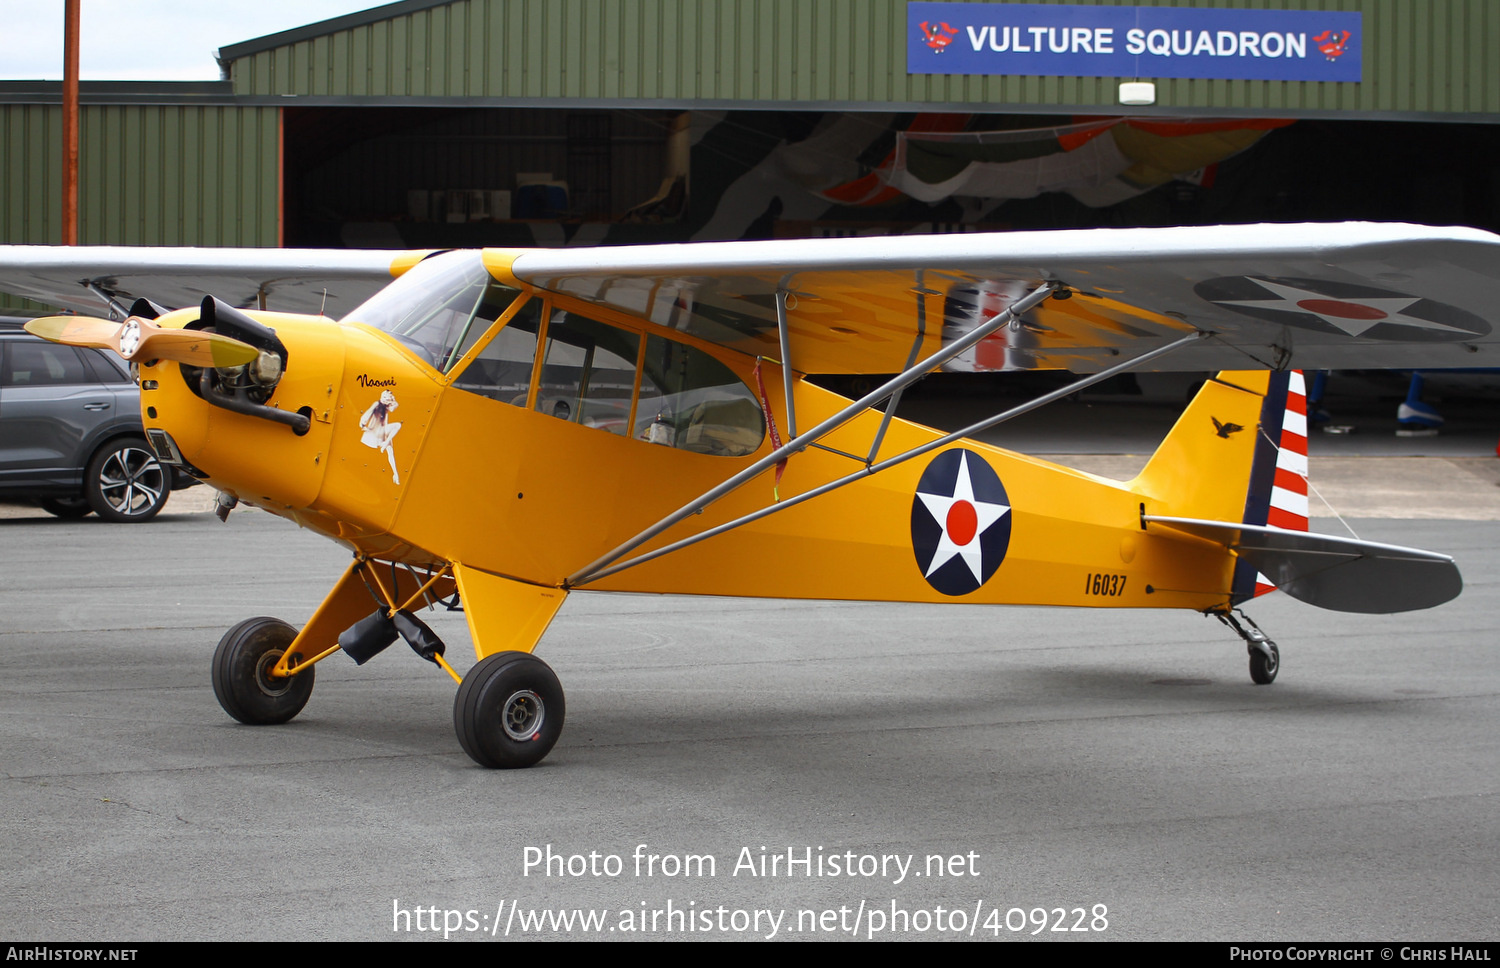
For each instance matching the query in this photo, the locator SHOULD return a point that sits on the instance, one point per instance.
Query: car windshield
(439, 307)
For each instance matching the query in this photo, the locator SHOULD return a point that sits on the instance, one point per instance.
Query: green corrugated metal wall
(1430, 56)
(31, 205)
(147, 174)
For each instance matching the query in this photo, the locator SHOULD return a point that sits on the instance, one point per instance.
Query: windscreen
(439, 307)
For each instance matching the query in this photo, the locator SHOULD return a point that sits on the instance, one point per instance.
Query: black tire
(125, 483)
(509, 711)
(1262, 670)
(67, 508)
(241, 662)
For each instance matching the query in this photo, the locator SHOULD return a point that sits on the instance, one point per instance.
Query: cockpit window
(439, 307)
(588, 372)
(691, 401)
(502, 370)
(597, 374)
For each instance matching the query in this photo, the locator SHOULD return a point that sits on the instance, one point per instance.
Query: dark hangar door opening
(448, 177)
(394, 177)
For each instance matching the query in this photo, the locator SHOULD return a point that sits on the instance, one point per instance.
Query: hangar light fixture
(1137, 92)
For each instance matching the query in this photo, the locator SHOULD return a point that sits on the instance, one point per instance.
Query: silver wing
(89, 279)
(1315, 296)
(1349, 295)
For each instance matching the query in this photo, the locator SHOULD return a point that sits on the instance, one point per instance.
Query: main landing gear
(243, 679)
(1265, 657)
(509, 710)
(508, 713)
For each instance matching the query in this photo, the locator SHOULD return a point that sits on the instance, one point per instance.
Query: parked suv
(70, 432)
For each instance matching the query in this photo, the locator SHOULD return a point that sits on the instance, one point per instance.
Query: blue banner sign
(1129, 42)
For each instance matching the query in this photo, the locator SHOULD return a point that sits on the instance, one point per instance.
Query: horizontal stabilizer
(1343, 574)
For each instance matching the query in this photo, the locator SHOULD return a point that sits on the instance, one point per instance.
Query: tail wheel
(509, 711)
(125, 482)
(242, 673)
(1263, 668)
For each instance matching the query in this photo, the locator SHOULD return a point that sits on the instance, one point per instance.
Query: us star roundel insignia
(1341, 307)
(960, 522)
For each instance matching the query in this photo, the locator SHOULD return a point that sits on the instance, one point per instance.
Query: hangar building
(439, 123)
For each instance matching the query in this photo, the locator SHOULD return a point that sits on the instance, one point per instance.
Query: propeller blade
(142, 339)
(76, 330)
(191, 346)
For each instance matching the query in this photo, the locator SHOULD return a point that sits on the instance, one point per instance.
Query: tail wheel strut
(1265, 657)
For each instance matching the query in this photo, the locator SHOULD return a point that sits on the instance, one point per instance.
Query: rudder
(1277, 495)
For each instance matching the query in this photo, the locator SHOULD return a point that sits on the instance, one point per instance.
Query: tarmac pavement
(1116, 765)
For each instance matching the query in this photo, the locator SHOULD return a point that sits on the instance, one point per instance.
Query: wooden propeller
(143, 339)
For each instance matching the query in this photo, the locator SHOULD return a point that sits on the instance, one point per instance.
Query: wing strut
(606, 565)
(606, 569)
(922, 292)
(784, 331)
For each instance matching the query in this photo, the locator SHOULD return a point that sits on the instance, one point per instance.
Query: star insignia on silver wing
(1353, 315)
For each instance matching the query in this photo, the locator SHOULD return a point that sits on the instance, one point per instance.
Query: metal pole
(70, 123)
(907, 377)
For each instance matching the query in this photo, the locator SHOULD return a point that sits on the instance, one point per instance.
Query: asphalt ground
(1118, 766)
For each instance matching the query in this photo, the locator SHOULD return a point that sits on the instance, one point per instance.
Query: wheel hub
(130, 337)
(271, 685)
(131, 480)
(523, 715)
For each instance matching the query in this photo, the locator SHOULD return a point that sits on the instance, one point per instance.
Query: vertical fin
(1202, 467)
(1238, 454)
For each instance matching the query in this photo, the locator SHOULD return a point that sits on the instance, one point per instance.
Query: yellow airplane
(496, 428)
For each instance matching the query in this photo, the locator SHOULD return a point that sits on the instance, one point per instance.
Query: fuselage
(531, 463)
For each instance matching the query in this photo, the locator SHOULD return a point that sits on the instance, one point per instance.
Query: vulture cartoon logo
(937, 36)
(1333, 45)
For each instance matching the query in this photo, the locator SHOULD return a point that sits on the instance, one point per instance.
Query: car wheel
(125, 482)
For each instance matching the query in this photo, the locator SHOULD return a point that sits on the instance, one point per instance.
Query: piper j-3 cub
(496, 428)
